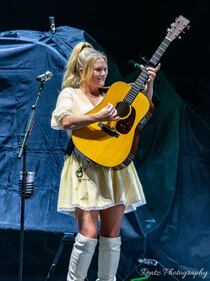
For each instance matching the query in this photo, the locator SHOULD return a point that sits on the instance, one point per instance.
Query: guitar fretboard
(142, 78)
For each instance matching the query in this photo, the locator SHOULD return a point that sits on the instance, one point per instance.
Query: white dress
(97, 187)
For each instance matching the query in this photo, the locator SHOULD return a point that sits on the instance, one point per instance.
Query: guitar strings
(122, 107)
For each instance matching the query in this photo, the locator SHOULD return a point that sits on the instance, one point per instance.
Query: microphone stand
(22, 151)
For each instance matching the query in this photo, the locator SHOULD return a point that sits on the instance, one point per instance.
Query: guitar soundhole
(123, 109)
(124, 126)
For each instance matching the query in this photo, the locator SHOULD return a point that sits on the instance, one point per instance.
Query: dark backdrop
(127, 30)
(174, 164)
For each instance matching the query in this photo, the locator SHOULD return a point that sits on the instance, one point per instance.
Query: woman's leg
(110, 243)
(84, 246)
(111, 219)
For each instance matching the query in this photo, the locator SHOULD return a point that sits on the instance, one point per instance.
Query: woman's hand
(148, 89)
(151, 71)
(108, 113)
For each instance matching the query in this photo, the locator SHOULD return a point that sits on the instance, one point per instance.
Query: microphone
(44, 77)
(52, 24)
(27, 180)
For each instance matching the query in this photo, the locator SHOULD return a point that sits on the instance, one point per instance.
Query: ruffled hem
(128, 209)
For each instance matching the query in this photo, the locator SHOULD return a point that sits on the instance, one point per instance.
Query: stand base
(68, 238)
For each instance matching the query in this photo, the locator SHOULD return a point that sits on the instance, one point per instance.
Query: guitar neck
(142, 78)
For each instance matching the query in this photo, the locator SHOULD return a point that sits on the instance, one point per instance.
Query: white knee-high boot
(81, 257)
(108, 258)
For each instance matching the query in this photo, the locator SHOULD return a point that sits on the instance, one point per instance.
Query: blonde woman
(88, 190)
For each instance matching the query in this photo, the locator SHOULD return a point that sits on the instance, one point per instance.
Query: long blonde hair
(83, 56)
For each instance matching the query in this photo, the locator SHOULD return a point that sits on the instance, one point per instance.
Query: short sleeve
(64, 106)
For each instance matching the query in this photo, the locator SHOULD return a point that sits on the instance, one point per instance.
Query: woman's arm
(148, 90)
(73, 122)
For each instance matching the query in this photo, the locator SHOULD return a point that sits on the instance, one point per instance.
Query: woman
(89, 190)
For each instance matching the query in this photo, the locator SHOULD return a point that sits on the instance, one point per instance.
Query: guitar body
(112, 148)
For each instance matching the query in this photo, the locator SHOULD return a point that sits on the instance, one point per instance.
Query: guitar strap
(72, 148)
(69, 148)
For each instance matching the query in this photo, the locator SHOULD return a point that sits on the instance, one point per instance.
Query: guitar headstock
(177, 27)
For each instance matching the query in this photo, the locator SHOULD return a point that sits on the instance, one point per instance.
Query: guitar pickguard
(124, 126)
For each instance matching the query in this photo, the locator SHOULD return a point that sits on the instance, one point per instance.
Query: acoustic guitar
(115, 142)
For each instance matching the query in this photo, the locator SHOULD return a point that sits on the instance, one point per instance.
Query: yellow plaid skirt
(89, 186)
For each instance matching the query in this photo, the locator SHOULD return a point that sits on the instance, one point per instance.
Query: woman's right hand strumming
(107, 113)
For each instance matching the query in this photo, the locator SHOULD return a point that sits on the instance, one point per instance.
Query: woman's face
(100, 71)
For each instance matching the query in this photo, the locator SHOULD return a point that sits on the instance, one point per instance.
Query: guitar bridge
(108, 130)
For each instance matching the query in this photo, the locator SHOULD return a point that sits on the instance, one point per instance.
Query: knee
(89, 232)
(87, 223)
(110, 233)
